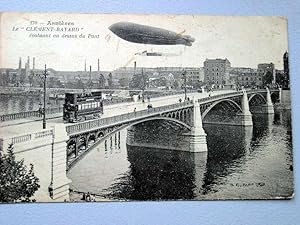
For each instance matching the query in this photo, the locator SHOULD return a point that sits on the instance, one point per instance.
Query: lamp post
(143, 90)
(43, 77)
(184, 79)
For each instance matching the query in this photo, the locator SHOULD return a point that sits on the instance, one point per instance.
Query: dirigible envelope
(142, 34)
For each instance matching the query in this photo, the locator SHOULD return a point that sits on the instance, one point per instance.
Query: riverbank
(77, 196)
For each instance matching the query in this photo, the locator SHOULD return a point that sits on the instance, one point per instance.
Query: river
(16, 104)
(241, 163)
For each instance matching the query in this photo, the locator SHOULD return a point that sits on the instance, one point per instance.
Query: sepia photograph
(133, 107)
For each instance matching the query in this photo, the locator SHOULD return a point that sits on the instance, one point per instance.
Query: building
(217, 73)
(262, 68)
(286, 82)
(155, 74)
(249, 79)
(267, 68)
(245, 77)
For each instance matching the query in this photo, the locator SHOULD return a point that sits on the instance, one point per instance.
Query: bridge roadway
(13, 128)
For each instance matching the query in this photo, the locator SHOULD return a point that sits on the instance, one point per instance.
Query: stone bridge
(233, 108)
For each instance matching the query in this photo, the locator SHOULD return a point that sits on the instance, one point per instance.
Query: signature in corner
(256, 184)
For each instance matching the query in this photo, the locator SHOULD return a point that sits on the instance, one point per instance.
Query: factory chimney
(90, 73)
(20, 66)
(98, 65)
(20, 63)
(134, 68)
(28, 62)
(84, 65)
(33, 63)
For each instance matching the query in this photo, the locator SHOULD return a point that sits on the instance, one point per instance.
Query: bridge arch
(231, 102)
(104, 136)
(151, 119)
(257, 95)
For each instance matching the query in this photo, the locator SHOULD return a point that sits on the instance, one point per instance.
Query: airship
(143, 34)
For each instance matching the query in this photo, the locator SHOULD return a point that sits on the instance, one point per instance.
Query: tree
(123, 82)
(110, 80)
(196, 84)
(101, 81)
(51, 82)
(30, 80)
(16, 184)
(139, 81)
(79, 84)
(176, 84)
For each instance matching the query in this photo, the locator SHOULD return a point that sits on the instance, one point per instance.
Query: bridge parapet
(92, 124)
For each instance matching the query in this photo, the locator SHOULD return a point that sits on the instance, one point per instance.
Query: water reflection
(15, 104)
(156, 174)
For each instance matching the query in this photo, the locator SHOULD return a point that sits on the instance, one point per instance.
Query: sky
(244, 41)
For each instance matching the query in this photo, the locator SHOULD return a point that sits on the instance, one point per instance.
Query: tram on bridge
(82, 106)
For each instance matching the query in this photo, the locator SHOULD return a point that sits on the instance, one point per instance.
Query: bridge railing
(164, 94)
(116, 101)
(231, 94)
(29, 114)
(92, 124)
(88, 125)
(32, 136)
(20, 115)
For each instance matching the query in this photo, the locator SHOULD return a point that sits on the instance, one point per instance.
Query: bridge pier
(268, 107)
(197, 134)
(199, 164)
(130, 135)
(59, 186)
(246, 116)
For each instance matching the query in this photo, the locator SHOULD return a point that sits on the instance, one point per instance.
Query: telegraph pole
(44, 80)
(184, 78)
(143, 90)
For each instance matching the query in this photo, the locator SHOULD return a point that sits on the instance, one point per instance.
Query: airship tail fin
(186, 40)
